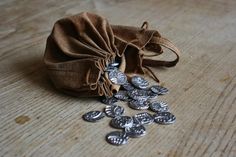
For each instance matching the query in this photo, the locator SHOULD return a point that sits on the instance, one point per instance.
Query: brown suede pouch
(81, 46)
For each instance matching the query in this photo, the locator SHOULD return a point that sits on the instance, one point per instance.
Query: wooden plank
(37, 120)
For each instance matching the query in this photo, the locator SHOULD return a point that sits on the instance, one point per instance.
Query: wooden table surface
(38, 121)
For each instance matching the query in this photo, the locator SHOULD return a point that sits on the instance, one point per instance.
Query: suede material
(81, 46)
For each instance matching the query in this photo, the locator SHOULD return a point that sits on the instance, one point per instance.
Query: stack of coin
(139, 96)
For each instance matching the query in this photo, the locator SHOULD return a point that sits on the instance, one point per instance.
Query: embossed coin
(137, 94)
(114, 111)
(159, 106)
(136, 123)
(127, 86)
(144, 118)
(139, 82)
(122, 122)
(136, 131)
(138, 105)
(109, 100)
(117, 138)
(151, 94)
(164, 118)
(122, 95)
(93, 116)
(117, 77)
(110, 68)
(159, 90)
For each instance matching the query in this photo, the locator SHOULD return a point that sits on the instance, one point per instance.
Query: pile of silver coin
(139, 96)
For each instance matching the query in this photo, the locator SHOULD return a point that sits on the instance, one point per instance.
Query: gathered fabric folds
(80, 47)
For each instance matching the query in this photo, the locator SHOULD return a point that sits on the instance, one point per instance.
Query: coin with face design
(136, 123)
(164, 118)
(159, 106)
(139, 95)
(93, 116)
(127, 86)
(122, 122)
(117, 77)
(109, 100)
(121, 95)
(138, 105)
(117, 138)
(159, 90)
(151, 94)
(139, 82)
(135, 131)
(114, 111)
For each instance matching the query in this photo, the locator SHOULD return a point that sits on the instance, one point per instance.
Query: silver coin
(136, 131)
(152, 95)
(114, 64)
(139, 105)
(127, 86)
(110, 68)
(121, 95)
(122, 122)
(109, 100)
(159, 106)
(159, 90)
(117, 138)
(164, 118)
(117, 77)
(137, 94)
(139, 82)
(114, 111)
(136, 123)
(144, 118)
(93, 116)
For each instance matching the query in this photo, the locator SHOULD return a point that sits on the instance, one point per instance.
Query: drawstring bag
(80, 48)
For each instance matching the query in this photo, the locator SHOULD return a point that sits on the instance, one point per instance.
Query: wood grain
(203, 84)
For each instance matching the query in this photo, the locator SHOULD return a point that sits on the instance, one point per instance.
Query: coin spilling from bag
(86, 56)
(139, 96)
(82, 48)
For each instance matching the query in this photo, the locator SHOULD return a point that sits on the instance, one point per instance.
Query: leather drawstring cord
(167, 44)
(152, 74)
(146, 63)
(145, 25)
